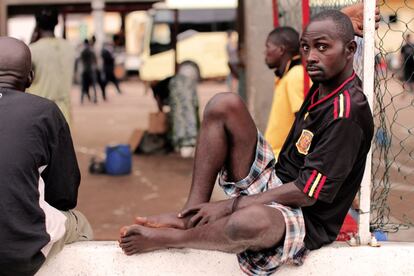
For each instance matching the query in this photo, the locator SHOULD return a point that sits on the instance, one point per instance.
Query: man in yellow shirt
(282, 55)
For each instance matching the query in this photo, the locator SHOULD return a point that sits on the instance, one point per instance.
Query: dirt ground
(157, 183)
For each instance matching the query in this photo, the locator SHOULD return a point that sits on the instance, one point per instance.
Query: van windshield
(199, 20)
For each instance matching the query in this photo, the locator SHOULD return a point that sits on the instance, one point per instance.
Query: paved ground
(157, 183)
(161, 183)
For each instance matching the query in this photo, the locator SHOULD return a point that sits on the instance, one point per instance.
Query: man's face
(273, 54)
(323, 50)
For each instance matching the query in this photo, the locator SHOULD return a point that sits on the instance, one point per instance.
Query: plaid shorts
(262, 177)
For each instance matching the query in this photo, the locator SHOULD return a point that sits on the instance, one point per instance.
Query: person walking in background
(53, 62)
(38, 170)
(407, 55)
(98, 72)
(88, 75)
(108, 64)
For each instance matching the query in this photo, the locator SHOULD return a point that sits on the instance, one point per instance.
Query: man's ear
(351, 48)
(30, 79)
(282, 49)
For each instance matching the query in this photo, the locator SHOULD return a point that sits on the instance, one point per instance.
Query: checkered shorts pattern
(261, 178)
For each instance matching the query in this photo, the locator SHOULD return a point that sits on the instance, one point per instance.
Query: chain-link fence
(393, 148)
(393, 108)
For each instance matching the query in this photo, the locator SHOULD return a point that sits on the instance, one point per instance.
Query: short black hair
(344, 28)
(286, 36)
(47, 19)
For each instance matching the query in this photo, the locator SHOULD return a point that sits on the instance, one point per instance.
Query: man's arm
(288, 194)
(61, 176)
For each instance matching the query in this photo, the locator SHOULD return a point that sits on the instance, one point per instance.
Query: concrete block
(106, 258)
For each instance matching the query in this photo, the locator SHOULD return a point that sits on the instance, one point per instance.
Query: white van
(201, 40)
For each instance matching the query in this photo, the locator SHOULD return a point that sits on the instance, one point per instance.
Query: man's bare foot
(138, 239)
(169, 220)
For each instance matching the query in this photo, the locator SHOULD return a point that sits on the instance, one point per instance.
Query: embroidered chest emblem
(304, 142)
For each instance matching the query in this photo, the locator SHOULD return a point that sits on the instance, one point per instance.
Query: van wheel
(190, 68)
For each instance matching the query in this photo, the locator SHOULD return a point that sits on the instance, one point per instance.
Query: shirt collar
(296, 60)
(330, 95)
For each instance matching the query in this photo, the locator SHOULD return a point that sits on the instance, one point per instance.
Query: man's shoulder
(294, 75)
(296, 70)
(38, 102)
(45, 44)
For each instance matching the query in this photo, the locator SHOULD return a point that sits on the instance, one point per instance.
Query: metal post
(305, 22)
(174, 39)
(275, 14)
(64, 19)
(3, 18)
(98, 13)
(368, 86)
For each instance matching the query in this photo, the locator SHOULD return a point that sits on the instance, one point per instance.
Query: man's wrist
(235, 203)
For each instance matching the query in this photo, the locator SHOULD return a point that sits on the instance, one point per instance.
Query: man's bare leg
(228, 136)
(234, 233)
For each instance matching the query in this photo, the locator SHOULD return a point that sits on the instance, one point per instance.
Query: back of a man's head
(15, 64)
(47, 19)
(285, 36)
(344, 28)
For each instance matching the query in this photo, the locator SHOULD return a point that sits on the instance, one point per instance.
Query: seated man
(282, 55)
(38, 170)
(277, 212)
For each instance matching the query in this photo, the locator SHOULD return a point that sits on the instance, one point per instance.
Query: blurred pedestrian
(88, 75)
(407, 55)
(108, 62)
(53, 62)
(98, 72)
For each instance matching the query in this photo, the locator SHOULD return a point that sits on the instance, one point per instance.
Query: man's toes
(132, 230)
(122, 231)
(127, 246)
(130, 251)
(141, 220)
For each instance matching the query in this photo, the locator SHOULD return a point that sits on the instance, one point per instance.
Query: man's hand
(207, 212)
(356, 14)
(169, 220)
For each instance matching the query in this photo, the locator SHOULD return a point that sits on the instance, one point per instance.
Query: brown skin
(276, 56)
(329, 60)
(228, 138)
(15, 64)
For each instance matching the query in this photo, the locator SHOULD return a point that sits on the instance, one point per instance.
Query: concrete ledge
(106, 258)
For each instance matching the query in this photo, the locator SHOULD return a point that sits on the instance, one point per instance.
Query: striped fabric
(342, 105)
(314, 184)
(262, 177)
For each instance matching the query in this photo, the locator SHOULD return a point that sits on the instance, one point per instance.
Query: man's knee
(223, 105)
(241, 226)
(78, 227)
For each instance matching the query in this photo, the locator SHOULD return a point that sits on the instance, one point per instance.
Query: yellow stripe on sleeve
(341, 106)
(315, 184)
